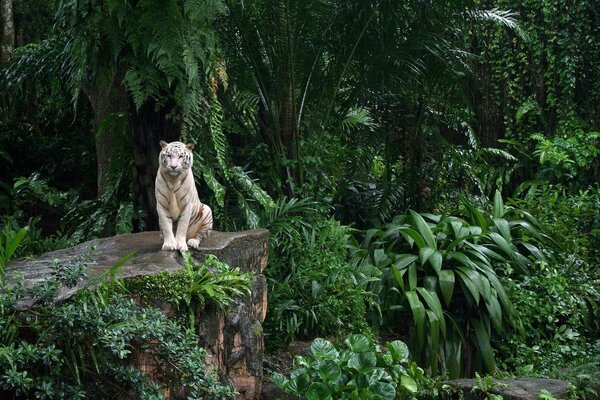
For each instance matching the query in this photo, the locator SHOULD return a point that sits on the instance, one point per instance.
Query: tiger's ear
(163, 144)
(190, 146)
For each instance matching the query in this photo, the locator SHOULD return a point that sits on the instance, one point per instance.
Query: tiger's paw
(194, 243)
(169, 245)
(181, 246)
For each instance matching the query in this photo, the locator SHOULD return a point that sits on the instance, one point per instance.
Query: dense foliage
(88, 346)
(373, 140)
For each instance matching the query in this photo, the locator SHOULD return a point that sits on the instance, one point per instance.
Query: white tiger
(179, 208)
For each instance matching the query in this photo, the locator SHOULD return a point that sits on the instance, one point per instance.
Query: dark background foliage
(394, 150)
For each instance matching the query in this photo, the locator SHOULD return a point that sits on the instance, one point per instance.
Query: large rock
(234, 341)
(516, 389)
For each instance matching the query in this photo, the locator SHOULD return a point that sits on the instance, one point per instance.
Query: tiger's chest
(179, 199)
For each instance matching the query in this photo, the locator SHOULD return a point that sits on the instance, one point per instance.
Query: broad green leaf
(436, 261)
(412, 276)
(424, 229)
(506, 247)
(503, 228)
(412, 236)
(456, 227)
(476, 216)
(398, 275)
(535, 251)
(363, 362)
(382, 390)
(418, 312)
(299, 381)
(494, 311)
(469, 285)
(432, 301)
(430, 282)
(358, 343)
(408, 383)
(403, 260)
(453, 346)
(380, 259)
(425, 253)
(487, 252)
(398, 350)
(483, 341)
(323, 349)
(463, 259)
(446, 279)
(279, 380)
(318, 391)
(434, 336)
(330, 371)
(498, 208)
(529, 228)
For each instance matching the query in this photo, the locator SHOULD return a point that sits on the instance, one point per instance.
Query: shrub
(314, 287)
(356, 370)
(442, 270)
(87, 347)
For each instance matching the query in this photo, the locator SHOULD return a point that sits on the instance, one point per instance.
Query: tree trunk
(107, 97)
(148, 127)
(8, 31)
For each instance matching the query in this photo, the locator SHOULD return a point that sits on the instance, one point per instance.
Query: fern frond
(217, 135)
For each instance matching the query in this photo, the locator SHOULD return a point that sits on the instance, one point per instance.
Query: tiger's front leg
(166, 227)
(182, 228)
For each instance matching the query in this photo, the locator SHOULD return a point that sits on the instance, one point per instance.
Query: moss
(165, 286)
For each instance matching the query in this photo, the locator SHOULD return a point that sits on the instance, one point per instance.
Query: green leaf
(498, 207)
(463, 259)
(505, 246)
(424, 229)
(446, 279)
(382, 390)
(323, 349)
(436, 261)
(471, 286)
(398, 275)
(318, 391)
(435, 306)
(425, 253)
(330, 371)
(409, 384)
(503, 228)
(363, 362)
(412, 276)
(418, 312)
(358, 343)
(483, 342)
(399, 350)
(411, 236)
(380, 258)
(494, 311)
(434, 337)
(403, 260)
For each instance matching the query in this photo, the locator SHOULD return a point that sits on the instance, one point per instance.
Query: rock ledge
(234, 341)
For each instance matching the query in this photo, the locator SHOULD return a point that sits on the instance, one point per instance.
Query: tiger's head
(175, 157)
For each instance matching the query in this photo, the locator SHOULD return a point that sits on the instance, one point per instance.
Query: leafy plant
(574, 156)
(314, 286)
(443, 271)
(89, 346)
(9, 241)
(484, 387)
(211, 283)
(356, 370)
